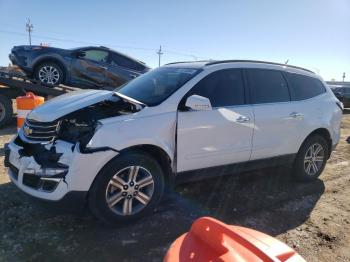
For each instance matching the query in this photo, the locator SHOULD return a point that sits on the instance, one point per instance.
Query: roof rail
(257, 61)
(184, 62)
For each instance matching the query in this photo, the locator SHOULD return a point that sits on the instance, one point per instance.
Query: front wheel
(49, 74)
(311, 159)
(127, 188)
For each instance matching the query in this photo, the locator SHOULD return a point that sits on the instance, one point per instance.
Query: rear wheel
(127, 188)
(49, 74)
(6, 110)
(311, 158)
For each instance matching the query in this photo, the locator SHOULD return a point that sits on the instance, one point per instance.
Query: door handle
(242, 119)
(133, 75)
(103, 67)
(296, 115)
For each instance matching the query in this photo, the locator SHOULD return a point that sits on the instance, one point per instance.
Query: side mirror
(198, 103)
(80, 54)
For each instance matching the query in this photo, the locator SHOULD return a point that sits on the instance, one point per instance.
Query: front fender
(50, 56)
(158, 130)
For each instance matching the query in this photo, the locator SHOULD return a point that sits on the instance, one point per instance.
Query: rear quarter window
(304, 87)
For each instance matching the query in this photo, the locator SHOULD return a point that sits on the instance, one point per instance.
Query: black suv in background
(86, 67)
(342, 93)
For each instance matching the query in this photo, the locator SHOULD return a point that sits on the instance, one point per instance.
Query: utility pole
(160, 53)
(29, 29)
(343, 76)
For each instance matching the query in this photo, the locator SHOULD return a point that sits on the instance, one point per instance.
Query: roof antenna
(286, 62)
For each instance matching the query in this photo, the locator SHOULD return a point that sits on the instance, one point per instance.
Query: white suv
(118, 150)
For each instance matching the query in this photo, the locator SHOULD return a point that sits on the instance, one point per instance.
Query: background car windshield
(157, 85)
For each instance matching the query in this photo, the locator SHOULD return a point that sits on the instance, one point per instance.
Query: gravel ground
(313, 218)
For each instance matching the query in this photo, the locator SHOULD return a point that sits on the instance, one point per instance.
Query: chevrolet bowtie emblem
(27, 130)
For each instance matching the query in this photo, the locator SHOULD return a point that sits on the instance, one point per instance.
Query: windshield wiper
(139, 105)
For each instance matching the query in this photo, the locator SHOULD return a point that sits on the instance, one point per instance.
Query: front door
(219, 136)
(90, 69)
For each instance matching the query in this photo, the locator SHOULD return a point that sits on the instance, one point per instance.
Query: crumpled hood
(68, 103)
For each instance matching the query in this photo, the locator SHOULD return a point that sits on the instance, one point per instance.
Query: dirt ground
(313, 218)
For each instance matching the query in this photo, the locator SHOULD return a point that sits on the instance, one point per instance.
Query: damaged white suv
(118, 150)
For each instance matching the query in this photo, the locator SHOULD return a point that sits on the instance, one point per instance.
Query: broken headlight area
(81, 125)
(78, 126)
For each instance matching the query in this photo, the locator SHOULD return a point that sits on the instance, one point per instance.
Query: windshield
(157, 85)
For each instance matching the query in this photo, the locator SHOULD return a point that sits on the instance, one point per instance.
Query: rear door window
(120, 60)
(304, 87)
(267, 86)
(223, 88)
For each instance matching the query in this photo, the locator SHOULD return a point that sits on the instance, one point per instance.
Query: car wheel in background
(6, 110)
(127, 188)
(311, 158)
(49, 74)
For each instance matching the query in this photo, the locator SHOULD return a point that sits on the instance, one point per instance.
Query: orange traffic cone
(25, 104)
(212, 240)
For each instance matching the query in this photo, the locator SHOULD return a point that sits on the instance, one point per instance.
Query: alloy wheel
(49, 75)
(314, 158)
(130, 190)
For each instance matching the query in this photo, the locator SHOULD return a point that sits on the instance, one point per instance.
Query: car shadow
(266, 200)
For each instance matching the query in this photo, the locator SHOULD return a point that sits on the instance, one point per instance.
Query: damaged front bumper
(55, 170)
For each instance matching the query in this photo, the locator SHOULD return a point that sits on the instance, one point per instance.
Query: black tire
(300, 168)
(97, 193)
(6, 110)
(53, 65)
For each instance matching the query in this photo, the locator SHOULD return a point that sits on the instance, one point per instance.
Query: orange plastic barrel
(211, 240)
(25, 104)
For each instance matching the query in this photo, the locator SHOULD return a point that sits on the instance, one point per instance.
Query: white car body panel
(138, 129)
(214, 138)
(272, 122)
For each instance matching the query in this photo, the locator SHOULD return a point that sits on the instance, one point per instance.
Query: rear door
(276, 124)
(219, 136)
(309, 100)
(90, 69)
(121, 69)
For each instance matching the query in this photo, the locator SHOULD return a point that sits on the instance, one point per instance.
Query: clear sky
(311, 33)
